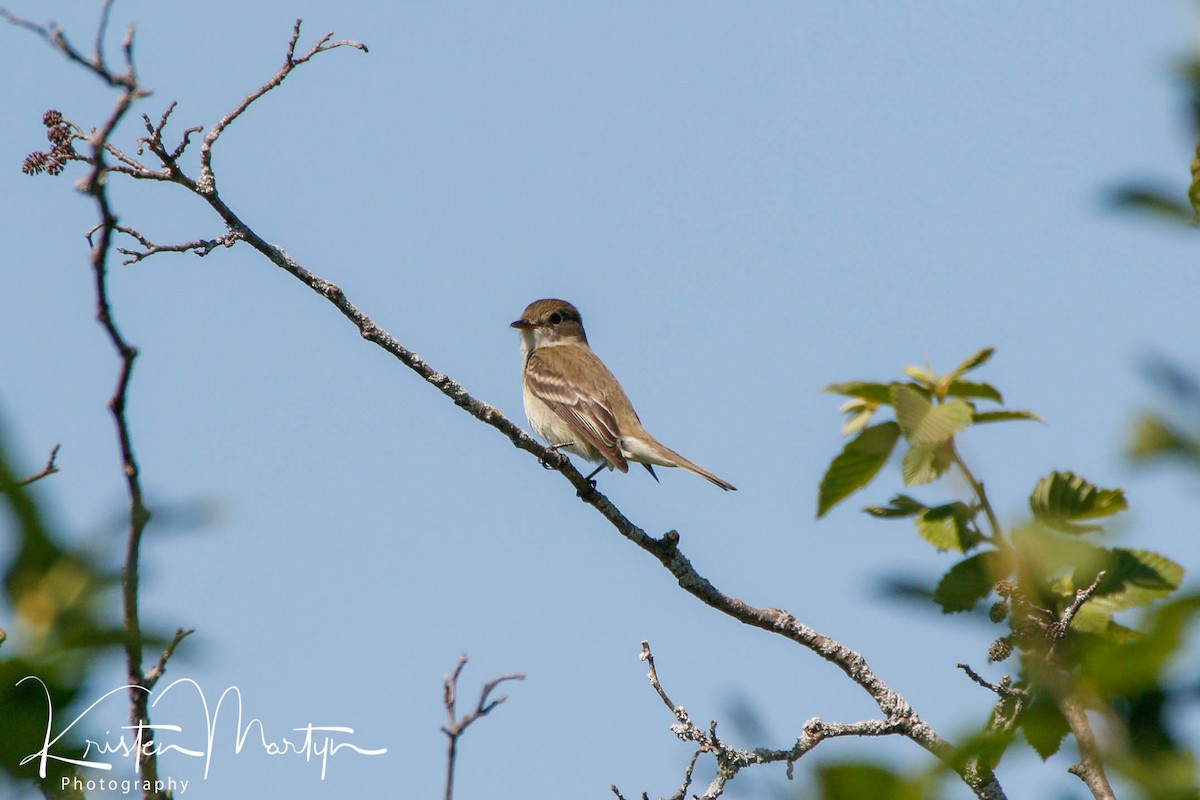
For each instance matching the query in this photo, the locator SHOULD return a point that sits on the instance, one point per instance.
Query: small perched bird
(575, 403)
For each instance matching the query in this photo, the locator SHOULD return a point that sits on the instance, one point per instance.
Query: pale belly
(555, 430)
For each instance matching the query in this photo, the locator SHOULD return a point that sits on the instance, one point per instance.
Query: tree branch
(200, 247)
(1090, 769)
(49, 469)
(731, 760)
(899, 716)
(207, 181)
(458, 725)
(95, 185)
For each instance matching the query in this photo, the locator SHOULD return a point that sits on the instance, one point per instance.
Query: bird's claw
(554, 448)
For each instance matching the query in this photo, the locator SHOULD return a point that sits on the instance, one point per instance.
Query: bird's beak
(523, 324)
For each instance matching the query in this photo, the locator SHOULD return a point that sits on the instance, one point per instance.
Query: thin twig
(980, 492)
(1059, 629)
(458, 725)
(731, 760)
(49, 469)
(158, 669)
(1090, 769)
(207, 181)
(200, 247)
(1004, 689)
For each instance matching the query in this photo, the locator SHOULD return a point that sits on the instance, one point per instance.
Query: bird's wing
(583, 410)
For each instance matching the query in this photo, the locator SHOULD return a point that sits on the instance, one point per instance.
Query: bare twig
(1059, 629)
(731, 760)
(49, 469)
(158, 669)
(55, 37)
(207, 182)
(1090, 769)
(200, 247)
(1004, 688)
(980, 493)
(458, 725)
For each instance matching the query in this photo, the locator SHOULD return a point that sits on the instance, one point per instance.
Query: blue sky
(746, 202)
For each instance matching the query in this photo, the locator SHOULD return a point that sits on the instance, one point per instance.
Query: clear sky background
(746, 201)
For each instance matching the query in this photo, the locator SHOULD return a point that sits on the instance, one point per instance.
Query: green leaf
(1194, 187)
(1152, 201)
(1003, 416)
(867, 390)
(898, 507)
(859, 462)
(923, 423)
(1126, 664)
(1044, 726)
(1154, 437)
(985, 391)
(923, 464)
(975, 361)
(970, 580)
(856, 780)
(1061, 499)
(945, 527)
(1131, 578)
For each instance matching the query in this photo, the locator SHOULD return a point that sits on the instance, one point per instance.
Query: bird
(576, 404)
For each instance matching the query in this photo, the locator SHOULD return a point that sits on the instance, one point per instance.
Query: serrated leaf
(941, 533)
(1061, 499)
(923, 423)
(866, 390)
(1044, 726)
(984, 391)
(859, 462)
(970, 580)
(975, 361)
(1131, 578)
(1004, 416)
(945, 527)
(921, 465)
(898, 507)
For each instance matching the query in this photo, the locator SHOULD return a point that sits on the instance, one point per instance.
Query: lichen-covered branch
(899, 717)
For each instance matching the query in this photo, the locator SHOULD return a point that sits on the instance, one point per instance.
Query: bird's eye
(556, 318)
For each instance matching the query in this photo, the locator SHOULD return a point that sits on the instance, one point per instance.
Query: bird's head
(546, 323)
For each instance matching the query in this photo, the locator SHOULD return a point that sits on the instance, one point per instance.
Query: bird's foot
(554, 448)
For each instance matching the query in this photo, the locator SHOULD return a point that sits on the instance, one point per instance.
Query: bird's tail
(649, 451)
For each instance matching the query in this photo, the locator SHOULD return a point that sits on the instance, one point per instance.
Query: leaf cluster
(1056, 589)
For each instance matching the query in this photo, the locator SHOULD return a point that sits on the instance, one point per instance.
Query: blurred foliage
(1058, 593)
(58, 626)
(1171, 204)
(1172, 435)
